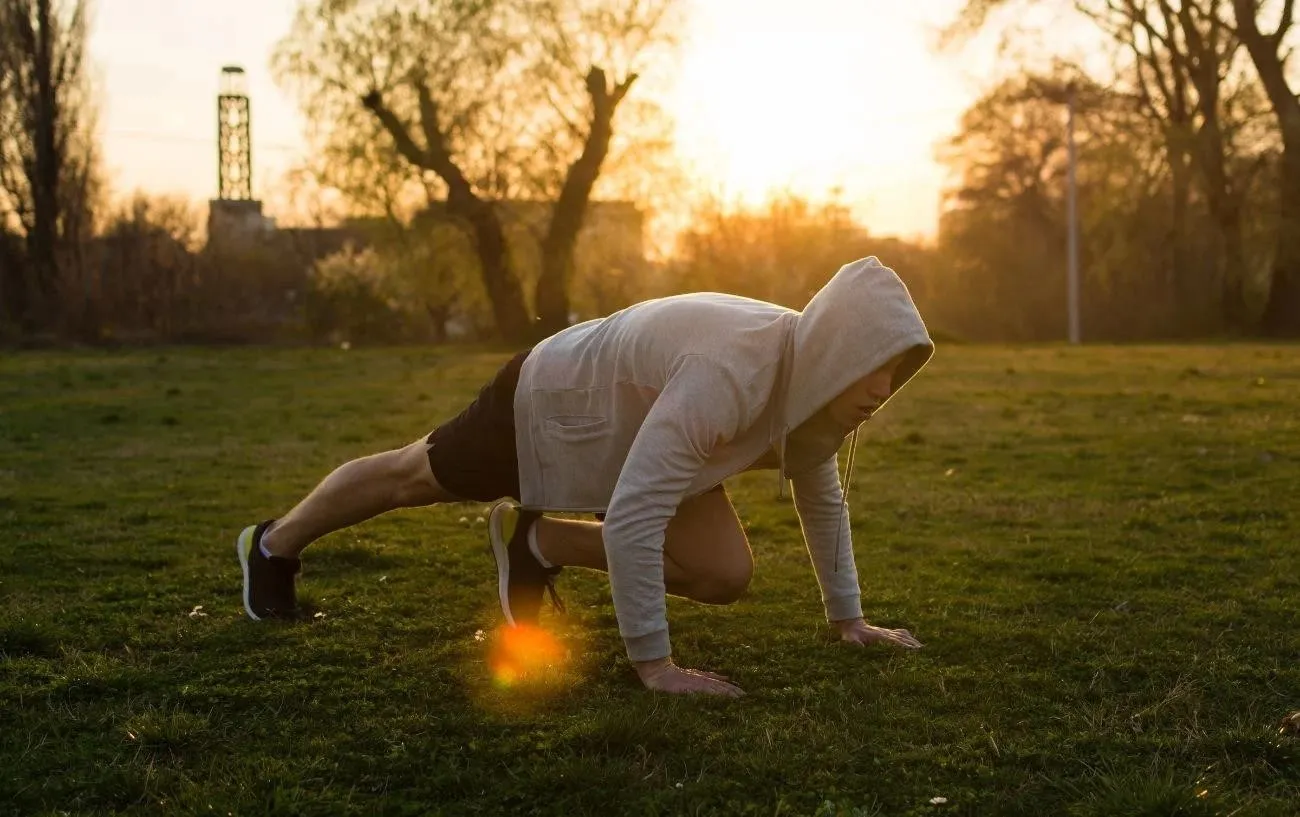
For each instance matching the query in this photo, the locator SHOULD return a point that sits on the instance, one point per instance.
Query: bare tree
(1181, 60)
(47, 152)
(487, 101)
(1000, 260)
(611, 38)
(1269, 53)
(1184, 54)
(148, 274)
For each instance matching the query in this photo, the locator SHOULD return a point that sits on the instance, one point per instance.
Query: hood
(860, 319)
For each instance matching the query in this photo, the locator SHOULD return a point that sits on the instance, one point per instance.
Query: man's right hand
(665, 676)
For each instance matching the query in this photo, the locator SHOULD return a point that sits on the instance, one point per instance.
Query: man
(638, 418)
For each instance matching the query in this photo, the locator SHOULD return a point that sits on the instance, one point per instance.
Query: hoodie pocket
(576, 429)
(574, 416)
(577, 443)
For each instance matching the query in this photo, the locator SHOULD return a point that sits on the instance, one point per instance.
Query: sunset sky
(806, 95)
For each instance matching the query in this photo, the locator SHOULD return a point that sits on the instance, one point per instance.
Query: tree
(1000, 270)
(1282, 312)
(146, 280)
(486, 101)
(47, 153)
(1179, 60)
(1002, 232)
(403, 287)
(1182, 56)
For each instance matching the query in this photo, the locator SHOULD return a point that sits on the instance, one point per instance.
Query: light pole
(1072, 216)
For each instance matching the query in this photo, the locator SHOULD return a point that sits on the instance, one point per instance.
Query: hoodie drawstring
(780, 468)
(845, 484)
(781, 394)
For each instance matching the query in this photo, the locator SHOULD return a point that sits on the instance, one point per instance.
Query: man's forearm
(823, 516)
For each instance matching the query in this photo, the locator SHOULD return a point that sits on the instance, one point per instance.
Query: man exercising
(638, 418)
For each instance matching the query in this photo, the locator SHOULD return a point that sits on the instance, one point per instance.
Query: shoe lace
(556, 602)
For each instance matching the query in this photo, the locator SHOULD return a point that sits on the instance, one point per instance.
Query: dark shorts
(473, 454)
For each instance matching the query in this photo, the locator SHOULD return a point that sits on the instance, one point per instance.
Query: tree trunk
(13, 278)
(1181, 285)
(42, 241)
(552, 293)
(1223, 202)
(1225, 211)
(499, 280)
(1235, 310)
(1282, 312)
(503, 290)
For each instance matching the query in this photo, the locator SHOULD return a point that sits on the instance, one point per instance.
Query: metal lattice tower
(234, 137)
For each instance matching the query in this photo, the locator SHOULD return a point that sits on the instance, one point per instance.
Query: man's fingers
(730, 690)
(720, 686)
(872, 635)
(712, 687)
(683, 681)
(904, 637)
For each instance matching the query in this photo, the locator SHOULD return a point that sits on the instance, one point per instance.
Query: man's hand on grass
(857, 631)
(665, 676)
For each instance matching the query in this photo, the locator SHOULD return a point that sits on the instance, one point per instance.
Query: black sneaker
(520, 577)
(268, 582)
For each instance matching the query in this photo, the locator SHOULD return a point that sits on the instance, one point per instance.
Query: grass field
(1097, 546)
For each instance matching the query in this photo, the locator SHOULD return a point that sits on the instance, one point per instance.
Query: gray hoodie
(631, 414)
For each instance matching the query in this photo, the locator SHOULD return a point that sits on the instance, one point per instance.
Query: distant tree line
(466, 148)
(49, 170)
(1189, 173)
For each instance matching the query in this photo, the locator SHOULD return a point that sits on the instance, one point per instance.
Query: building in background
(609, 257)
(234, 216)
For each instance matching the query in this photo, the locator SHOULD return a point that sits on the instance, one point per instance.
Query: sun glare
(522, 653)
(810, 97)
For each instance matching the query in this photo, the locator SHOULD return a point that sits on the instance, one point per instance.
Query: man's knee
(724, 586)
(413, 476)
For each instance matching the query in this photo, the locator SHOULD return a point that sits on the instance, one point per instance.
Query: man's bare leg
(706, 558)
(357, 491)
(706, 555)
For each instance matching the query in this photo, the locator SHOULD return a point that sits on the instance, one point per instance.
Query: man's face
(860, 400)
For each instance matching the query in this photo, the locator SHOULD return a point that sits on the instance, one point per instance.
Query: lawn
(1098, 548)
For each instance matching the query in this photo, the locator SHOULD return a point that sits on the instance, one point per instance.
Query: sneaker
(268, 581)
(520, 577)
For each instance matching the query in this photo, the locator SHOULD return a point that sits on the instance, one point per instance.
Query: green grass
(1097, 546)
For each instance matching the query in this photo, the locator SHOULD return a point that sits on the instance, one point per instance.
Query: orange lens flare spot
(521, 652)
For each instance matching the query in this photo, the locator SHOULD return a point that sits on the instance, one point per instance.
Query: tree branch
(438, 154)
(603, 99)
(433, 136)
(622, 88)
(401, 137)
(597, 88)
(1216, 26)
(1284, 23)
(1196, 47)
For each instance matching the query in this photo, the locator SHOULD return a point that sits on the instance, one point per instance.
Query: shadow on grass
(354, 557)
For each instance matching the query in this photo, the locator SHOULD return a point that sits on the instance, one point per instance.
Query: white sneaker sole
(244, 547)
(500, 552)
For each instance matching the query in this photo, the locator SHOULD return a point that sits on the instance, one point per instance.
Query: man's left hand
(858, 631)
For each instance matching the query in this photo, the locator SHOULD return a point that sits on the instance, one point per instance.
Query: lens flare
(523, 652)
